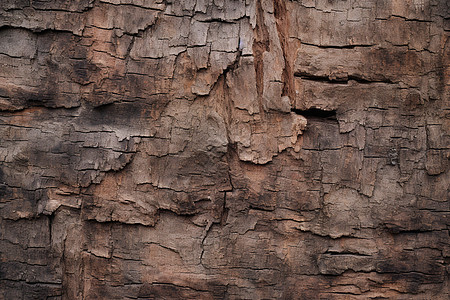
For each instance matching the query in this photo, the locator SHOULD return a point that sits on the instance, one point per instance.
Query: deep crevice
(337, 253)
(341, 80)
(312, 77)
(340, 46)
(315, 112)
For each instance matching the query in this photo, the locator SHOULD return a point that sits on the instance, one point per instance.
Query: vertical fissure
(261, 44)
(282, 24)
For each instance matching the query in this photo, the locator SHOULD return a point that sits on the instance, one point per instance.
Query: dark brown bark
(265, 149)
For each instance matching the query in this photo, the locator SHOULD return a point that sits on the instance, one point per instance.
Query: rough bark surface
(224, 149)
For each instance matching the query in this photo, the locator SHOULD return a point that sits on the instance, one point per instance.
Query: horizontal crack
(339, 46)
(341, 80)
(316, 113)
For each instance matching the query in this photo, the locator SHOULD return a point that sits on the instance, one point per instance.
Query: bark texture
(224, 149)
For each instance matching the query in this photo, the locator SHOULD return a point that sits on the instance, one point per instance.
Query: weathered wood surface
(224, 149)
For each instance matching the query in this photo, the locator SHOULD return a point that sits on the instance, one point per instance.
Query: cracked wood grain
(235, 149)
